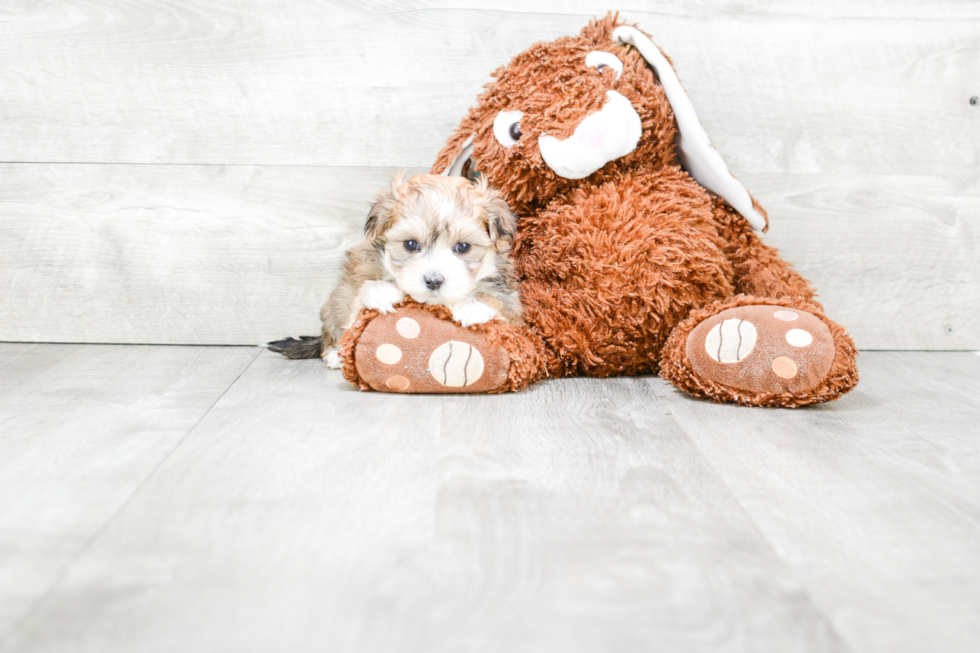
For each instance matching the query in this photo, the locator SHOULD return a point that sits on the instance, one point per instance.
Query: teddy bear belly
(605, 279)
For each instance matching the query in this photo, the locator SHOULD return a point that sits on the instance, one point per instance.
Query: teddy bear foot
(777, 353)
(413, 351)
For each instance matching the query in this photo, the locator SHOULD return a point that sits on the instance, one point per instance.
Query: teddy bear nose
(433, 281)
(591, 133)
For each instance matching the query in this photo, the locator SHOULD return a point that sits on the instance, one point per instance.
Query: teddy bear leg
(419, 349)
(759, 269)
(760, 352)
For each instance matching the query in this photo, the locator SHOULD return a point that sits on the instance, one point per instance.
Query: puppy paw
(332, 359)
(380, 295)
(470, 311)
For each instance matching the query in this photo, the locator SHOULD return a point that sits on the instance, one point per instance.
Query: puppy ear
(501, 222)
(381, 215)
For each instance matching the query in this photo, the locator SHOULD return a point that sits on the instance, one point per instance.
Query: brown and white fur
(436, 239)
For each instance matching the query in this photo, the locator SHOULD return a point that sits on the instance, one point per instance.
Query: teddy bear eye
(507, 127)
(602, 60)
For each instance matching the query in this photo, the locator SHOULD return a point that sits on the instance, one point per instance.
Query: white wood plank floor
(221, 499)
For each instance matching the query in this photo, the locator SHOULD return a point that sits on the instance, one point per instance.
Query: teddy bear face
(577, 108)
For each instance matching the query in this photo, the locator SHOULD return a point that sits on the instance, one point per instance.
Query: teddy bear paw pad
(413, 351)
(762, 348)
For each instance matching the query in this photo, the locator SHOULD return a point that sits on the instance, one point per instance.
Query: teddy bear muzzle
(604, 136)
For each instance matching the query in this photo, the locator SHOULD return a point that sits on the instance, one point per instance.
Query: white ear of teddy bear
(698, 156)
(455, 168)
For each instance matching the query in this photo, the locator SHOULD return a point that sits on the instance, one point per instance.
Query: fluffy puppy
(437, 239)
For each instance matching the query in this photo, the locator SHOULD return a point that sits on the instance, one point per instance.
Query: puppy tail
(304, 347)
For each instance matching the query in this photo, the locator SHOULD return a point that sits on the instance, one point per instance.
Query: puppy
(437, 239)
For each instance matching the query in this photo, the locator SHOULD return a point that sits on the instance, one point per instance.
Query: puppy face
(440, 235)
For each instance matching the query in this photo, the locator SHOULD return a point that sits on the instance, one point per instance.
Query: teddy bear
(636, 249)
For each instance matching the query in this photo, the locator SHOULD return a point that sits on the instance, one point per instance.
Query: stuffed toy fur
(636, 249)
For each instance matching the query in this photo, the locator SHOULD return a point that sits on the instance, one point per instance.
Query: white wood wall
(179, 171)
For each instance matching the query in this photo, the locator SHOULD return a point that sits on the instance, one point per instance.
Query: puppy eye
(602, 60)
(461, 248)
(411, 245)
(507, 127)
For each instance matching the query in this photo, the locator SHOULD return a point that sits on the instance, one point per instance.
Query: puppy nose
(433, 281)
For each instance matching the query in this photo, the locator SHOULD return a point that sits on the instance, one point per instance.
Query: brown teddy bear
(636, 249)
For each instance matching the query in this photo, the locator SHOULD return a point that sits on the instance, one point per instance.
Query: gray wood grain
(302, 515)
(866, 88)
(242, 254)
(174, 254)
(849, 121)
(895, 259)
(81, 428)
(873, 500)
(582, 515)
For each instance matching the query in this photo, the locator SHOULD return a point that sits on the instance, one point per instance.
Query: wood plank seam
(38, 603)
(814, 604)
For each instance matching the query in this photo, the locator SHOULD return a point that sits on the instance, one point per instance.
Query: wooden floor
(190, 499)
